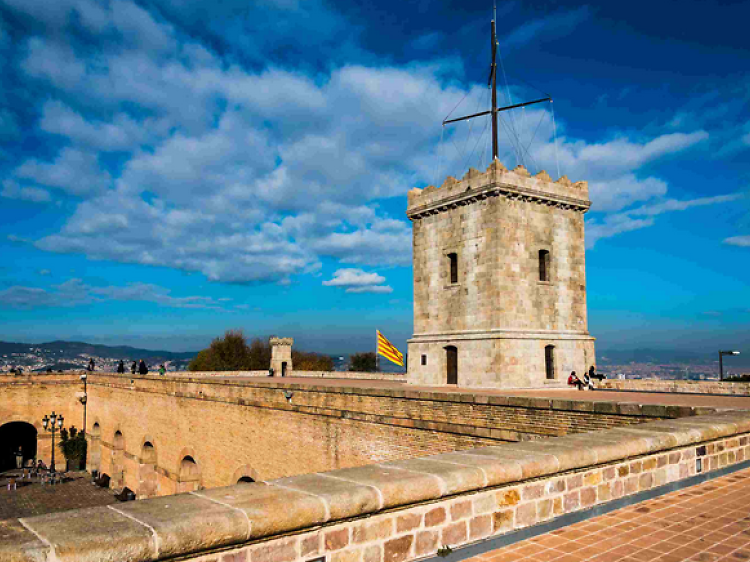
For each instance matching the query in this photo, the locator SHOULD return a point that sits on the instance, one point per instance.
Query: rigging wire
(474, 150)
(507, 91)
(440, 157)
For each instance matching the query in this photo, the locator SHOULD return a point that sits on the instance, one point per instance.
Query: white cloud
(743, 241)
(74, 171)
(552, 26)
(358, 281)
(74, 292)
(12, 190)
(353, 278)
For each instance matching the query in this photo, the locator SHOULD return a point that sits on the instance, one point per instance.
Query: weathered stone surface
(271, 509)
(396, 486)
(17, 544)
(455, 478)
(188, 523)
(344, 498)
(85, 535)
(397, 550)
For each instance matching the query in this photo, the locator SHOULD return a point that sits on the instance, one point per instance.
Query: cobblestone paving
(709, 522)
(35, 499)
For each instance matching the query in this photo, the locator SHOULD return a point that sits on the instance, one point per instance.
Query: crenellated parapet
(498, 181)
(281, 341)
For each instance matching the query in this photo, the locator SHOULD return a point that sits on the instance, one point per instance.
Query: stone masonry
(281, 356)
(499, 280)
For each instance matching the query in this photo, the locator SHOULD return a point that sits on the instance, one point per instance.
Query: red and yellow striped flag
(388, 350)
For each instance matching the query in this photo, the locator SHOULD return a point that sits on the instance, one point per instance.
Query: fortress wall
(349, 375)
(392, 512)
(271, 429)
(689, 387)
(28, 398)
(233, 429)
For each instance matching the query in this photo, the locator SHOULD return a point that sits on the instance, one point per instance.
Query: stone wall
(349, 375)
(28, 398)
(688, 387)
(161, 434)
(499, 314)
(396, 511)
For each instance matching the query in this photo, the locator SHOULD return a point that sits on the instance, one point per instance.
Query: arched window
(453, 264)
(119, 441)
(544, 265)
(190, 475)
(549, 361)
(245, 480)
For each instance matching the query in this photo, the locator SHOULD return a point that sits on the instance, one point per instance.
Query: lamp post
(50, 424)
(83, 399)
(721, 362)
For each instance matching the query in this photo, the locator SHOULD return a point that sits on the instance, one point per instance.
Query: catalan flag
(388, 350)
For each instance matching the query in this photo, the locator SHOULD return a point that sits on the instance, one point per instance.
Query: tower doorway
(12, 436)
(451, 364)
(283, 368)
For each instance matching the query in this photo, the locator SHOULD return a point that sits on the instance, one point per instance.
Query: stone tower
(499, 280)
(281, 356)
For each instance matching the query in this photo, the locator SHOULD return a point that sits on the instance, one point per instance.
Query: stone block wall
(688, 387)
(397, 511)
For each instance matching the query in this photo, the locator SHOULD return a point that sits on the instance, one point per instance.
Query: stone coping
(181, 525)
(469, 397)
(728, 388)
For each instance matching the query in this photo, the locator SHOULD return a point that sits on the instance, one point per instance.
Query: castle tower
(281, 356)
(499, 281)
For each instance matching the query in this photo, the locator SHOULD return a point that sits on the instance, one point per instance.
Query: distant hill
(66, 355)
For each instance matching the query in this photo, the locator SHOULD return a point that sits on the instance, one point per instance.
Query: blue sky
(173, 169)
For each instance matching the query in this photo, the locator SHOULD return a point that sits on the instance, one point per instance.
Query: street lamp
(721, 362)
(83, 399)
(50, 424)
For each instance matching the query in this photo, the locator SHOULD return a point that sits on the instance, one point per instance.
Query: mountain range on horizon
(63, 350)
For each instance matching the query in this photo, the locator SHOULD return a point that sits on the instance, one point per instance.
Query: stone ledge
(186, 524)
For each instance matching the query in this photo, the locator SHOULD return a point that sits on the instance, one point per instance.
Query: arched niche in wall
(95, 448)
(189, 475)
(148, 478)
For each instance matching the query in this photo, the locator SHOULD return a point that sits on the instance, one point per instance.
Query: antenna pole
(493, 85)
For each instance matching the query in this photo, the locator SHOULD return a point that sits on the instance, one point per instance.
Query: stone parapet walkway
(709, 522)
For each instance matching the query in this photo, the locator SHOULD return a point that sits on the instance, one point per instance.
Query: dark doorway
(451, 364)
(12, 436)
(283, 368)
(549, 361)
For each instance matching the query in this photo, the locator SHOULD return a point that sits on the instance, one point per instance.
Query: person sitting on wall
(121, 367)
(587, 382)
(593, 375)
(142, 369)
(573, 380)
(134, 367)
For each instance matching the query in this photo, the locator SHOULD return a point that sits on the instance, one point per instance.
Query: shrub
(363, 362)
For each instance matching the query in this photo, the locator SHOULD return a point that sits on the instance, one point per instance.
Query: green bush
(363, 362)
(73, 444)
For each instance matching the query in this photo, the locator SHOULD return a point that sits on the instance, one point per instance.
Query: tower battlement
(497, 180)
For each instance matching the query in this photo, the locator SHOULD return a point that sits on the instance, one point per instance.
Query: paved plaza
(32, 498)
(709, 522)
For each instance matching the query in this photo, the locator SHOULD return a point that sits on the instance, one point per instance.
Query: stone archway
(148, 478)
(13, 435)
(118, 461)
(244, 474)
(189, 475)
(95, 448)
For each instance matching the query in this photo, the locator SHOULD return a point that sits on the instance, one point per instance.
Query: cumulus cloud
(12, 190)
(75, 292)
(358, 281)
(254, 173)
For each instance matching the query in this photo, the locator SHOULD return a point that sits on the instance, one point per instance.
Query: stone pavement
(35, 499)
(709, 522)
(622, 397)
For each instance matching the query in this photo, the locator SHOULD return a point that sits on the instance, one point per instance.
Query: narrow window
(454, 267)
(424, 360)
(543, 265)
(549, 361)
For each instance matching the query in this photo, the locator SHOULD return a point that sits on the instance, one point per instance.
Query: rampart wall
(689, 387)
(395, 511)
(160, 435)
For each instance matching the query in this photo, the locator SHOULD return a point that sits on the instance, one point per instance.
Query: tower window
(453, 259)
(424, 360)
(543, 265)
(549, 361)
